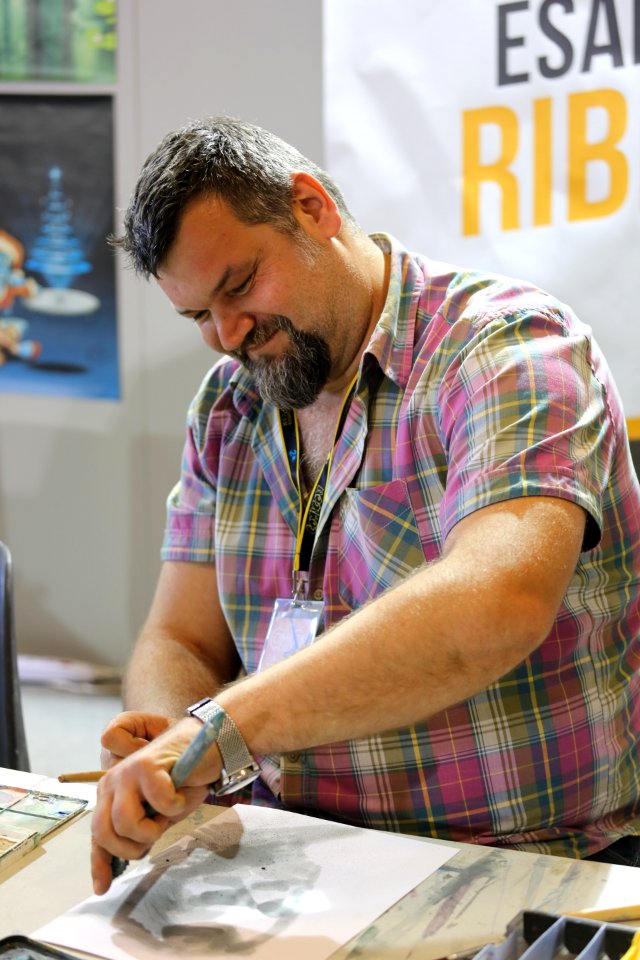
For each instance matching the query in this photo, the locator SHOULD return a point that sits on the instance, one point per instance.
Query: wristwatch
(239, 768)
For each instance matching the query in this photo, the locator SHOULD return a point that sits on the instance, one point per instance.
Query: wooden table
(466, 903)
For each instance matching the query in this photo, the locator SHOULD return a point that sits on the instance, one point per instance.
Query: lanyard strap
(310, 516)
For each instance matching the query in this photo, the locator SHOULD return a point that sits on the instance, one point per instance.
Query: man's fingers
(101, 868)
(118, 743)
(122, 830)
(128, 732)
(130, 821)
(108, 759)
(146, 726)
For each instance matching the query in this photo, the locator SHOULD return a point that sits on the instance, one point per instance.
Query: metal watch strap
(239, 767)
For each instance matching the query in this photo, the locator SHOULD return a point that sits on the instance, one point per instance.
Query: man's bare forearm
(165, 676)
(184, 651)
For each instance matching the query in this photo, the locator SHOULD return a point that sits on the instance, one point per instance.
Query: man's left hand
(122, 825)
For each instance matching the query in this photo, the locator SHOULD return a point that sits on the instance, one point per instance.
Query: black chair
(13, 743)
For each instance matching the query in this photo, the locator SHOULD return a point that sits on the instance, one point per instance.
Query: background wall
(83, 483)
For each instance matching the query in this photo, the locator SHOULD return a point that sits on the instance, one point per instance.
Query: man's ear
(314, 208)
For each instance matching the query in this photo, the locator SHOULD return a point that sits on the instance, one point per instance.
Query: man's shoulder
(445, 286)
(479, 297)
(437, 309)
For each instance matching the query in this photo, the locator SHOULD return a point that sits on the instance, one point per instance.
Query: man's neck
(378, 268)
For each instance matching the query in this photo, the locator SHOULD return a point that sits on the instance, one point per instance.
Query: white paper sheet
(252, 881)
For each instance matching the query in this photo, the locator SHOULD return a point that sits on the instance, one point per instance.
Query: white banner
(499, 135)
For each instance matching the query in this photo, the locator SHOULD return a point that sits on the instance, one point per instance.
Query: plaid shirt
(474, 389)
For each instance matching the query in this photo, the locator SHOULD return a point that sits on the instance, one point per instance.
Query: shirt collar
(394, 335)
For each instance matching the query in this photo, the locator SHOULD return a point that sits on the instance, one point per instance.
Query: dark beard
(295, 379)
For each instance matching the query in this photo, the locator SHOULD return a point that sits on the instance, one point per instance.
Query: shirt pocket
(378, 541)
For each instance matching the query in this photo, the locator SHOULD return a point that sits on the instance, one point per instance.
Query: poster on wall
(58, 329)
(58, 41)
(503, 136)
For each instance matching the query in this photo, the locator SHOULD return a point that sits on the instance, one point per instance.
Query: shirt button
(293, 757)
(317, 594)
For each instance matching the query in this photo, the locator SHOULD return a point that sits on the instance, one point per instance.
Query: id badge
(293, 626)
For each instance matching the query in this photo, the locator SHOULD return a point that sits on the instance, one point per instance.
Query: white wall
(83, 483)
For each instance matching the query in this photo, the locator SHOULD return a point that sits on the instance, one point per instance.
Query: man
(430, 466)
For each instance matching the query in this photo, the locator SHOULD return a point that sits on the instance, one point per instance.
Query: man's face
(259, 295)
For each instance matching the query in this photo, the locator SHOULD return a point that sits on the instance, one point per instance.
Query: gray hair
(244, 165)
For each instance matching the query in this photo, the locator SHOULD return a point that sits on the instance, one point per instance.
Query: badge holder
(294, 625)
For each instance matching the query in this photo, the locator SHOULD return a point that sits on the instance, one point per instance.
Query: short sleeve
(190, 527)
(524, 414)
(191, 506)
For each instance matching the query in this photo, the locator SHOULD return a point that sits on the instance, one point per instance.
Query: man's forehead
(209, 235)
(212, 208)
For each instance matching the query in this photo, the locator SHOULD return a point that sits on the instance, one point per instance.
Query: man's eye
(244, 287)
(200, 316)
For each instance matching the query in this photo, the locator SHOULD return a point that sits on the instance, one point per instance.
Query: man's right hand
(128, 732)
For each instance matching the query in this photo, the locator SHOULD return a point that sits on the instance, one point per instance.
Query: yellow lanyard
(309, 517)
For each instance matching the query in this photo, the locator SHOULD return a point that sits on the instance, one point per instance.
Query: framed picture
(62, 41)
(58, 329)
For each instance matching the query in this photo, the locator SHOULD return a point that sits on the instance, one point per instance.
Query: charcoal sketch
(211, 877)
(251, 882)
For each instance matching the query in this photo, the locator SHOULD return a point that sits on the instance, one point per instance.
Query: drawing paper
(18, 778)
(253, 882)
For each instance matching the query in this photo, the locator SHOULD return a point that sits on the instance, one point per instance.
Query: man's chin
(292, 381)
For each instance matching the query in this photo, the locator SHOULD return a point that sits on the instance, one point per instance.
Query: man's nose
(232, 327)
